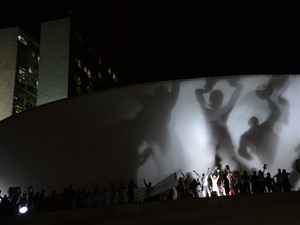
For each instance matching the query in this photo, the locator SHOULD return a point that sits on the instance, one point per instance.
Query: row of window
(88, 72)
(22, 78)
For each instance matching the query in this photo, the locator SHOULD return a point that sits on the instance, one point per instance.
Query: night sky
(149, 41)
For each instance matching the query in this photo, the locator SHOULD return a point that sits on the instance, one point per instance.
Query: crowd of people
(212, 183)
(228, 183)
(69, 198)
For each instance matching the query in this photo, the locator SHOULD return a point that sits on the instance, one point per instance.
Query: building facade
(70, 64)
(63, 64)
(19, 66)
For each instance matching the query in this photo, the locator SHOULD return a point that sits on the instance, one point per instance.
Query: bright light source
(23, 209)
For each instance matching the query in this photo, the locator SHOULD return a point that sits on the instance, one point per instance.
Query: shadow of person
(260, 140)
(138, 139)
(153, 119)
(295, 173)
(216, 116)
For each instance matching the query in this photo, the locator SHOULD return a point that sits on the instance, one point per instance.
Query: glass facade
(88, 72)
(26, 82)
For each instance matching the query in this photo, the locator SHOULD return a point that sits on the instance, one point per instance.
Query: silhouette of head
(216, 98)
(253, 121)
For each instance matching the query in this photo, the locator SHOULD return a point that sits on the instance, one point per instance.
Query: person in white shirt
(204, 181)
(214, 179)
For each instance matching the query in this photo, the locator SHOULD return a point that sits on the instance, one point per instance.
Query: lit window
(79, 63)
(115, 77)
(85, 69)
(109, 71)
(89, 73)
(30, 70)
(22, 71)
(99, 75)
(99, 61)
(22, 39)
(78, 80)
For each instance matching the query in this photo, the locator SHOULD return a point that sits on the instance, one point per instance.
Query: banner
(167, 184)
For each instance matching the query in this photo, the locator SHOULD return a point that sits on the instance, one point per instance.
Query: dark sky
(161, 40)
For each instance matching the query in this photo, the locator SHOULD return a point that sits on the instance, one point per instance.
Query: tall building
(19, 64)
(70, 64)
(64, 64)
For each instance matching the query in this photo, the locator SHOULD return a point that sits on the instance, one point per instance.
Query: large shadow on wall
(295, 174)
(216, 113)
(93, 140)
(146, 135)
(261, 140)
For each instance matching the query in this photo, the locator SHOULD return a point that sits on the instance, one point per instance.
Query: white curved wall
(150, 131)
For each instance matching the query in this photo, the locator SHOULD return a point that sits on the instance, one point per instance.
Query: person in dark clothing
(261, 182)
(254, 182)
(130, 191)
(269, 181)
(287, 187)
(194, 187)
(246, 179)
(225, 184)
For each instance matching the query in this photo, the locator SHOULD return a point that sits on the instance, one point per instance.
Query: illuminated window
(85, 69)
(21, 75)
(22, 39)
(89, 73)
(18, 108)
(99, 61)
(78, 80)
(22, 71)
(79, 63)
(30, 70)
(109, 71)
(115, 77)
(99, 75)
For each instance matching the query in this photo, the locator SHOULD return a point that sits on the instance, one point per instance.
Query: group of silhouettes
(227, 183)
(212, 183)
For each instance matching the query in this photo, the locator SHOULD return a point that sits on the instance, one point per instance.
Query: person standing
(214, 180)
(130, 191)
(205, 188)
(246, 179)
